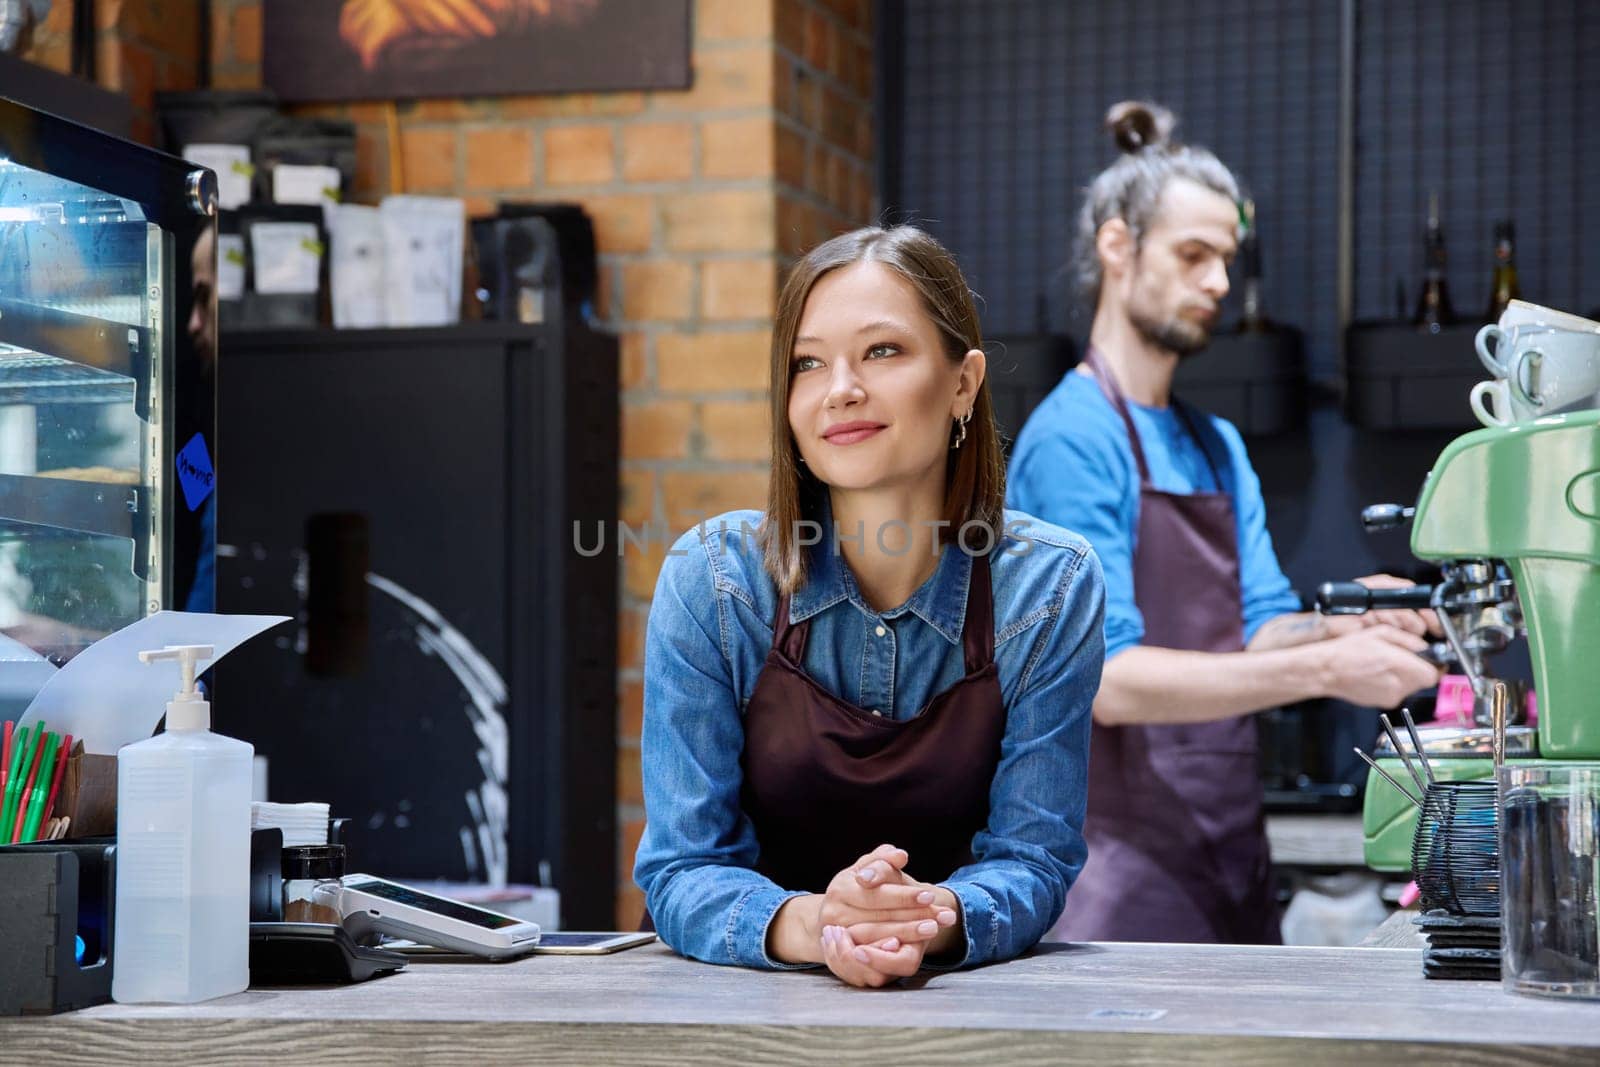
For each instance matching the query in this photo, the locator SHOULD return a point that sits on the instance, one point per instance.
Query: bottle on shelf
(1503, 287)
(1433, 303)
(1251, 317)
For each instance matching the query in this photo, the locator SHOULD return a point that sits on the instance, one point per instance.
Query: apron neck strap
(977, 630)
(789, 638)
(1199, 442)
(1102, 376)
(1108, 386)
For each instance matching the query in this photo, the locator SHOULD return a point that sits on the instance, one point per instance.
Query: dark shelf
(1257, 381)
(1399, 377)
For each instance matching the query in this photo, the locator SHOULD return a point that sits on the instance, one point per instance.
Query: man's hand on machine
(1421, 623)
(1343, 617)
(1377, 666)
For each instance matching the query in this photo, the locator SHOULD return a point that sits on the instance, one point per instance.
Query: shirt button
(880, 631)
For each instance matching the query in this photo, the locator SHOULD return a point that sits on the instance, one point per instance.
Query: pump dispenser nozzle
(187, 710)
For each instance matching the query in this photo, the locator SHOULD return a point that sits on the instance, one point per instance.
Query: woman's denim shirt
(709, 632)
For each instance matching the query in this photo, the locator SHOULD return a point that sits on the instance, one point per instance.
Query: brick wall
(141, 46)
(699, 197)
(824, 121)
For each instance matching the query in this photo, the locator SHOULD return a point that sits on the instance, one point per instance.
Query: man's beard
(1175, 334)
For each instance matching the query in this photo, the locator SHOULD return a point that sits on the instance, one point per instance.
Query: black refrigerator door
(379, 482)
(405, 733)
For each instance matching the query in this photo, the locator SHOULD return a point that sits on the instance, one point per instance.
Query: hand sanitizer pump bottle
(183, 855)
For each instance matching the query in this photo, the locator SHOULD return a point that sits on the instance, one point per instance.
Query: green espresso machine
(1512, 516)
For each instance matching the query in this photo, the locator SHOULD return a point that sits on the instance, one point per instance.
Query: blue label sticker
(195, 473)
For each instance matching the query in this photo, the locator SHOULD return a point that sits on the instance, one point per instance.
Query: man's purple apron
(1177, 842)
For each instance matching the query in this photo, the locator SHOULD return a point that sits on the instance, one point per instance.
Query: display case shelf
(108, 509)
(27, 377)
(95, 344)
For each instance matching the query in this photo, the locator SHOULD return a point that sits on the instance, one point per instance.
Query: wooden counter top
(1316, 840)
(1095, 1003)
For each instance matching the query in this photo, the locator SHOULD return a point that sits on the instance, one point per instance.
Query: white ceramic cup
(1558, 370)
(1504, 411)
(1522, 313)
(1540, 370)
(1490, 342)
(1497, 344)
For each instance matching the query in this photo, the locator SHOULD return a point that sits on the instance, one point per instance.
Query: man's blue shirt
(1072, 465)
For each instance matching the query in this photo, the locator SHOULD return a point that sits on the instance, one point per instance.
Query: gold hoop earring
(961, 429)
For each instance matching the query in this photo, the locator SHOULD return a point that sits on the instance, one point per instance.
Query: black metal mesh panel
(1492, 104)
(1000, 130)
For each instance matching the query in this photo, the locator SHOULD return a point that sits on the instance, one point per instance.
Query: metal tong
(1499, 697)
(1421, 780)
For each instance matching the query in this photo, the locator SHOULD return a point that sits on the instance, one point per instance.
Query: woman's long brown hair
(975, 476)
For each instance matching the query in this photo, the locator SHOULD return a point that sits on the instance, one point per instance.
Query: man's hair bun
(1136, 125)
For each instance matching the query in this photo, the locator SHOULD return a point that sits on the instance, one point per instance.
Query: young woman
(866, 719)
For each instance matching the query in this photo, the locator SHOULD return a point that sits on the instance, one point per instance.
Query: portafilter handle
(1353, 598)
(1380, 517)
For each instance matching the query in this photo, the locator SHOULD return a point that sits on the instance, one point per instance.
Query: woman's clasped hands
(875, 923)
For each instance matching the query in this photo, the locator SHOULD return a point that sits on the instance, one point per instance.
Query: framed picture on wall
(407, 49)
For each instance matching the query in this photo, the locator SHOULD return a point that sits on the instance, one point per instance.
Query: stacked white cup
(1545, 362)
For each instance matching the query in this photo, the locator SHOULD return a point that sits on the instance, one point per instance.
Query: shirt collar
(941, 601)
(826, 575)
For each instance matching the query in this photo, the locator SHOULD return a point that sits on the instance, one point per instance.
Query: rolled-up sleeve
(1032, 849)
(696, 859)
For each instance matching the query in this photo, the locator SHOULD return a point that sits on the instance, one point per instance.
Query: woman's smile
(850, 433)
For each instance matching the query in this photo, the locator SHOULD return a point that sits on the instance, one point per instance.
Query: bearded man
(1202, 628)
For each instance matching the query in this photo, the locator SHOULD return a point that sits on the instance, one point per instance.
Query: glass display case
(107, 385)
